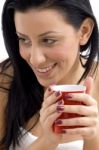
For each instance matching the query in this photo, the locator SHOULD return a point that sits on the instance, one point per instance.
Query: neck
(74, 74)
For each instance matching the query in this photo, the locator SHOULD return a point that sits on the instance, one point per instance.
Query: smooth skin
(50, 45)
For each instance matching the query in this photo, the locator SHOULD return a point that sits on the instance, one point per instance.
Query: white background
(3, 53)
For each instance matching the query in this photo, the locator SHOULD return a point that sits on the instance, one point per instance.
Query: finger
(81, 110)
(89, 84)
(48, 92)
(78, 121)
(53, 108)
(50, 119)
(52, 99)
(87, 132)
(82, 97)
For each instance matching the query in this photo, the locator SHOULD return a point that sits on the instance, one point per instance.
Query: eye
(49, 41)
(24, 41)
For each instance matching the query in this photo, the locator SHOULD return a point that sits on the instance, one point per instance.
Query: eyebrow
(20, 34)
(49, 32)
(42, 34)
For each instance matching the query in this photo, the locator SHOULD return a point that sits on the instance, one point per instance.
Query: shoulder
(6, 74)
(5, 81)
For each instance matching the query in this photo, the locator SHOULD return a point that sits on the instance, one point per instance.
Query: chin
(46, 83)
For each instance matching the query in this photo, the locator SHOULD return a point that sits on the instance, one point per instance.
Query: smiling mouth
(46, 69)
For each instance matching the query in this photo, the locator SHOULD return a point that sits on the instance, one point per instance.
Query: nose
(37, 57)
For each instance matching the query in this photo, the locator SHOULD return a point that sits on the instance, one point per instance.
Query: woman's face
(49, 44)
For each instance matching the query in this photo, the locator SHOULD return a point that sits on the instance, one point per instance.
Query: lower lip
(46, 74)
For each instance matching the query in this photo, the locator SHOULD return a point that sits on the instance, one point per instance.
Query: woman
(48, 42)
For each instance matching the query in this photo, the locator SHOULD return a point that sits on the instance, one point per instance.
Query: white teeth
(45, 69)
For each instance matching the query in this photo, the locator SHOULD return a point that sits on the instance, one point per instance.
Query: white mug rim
(68, 88)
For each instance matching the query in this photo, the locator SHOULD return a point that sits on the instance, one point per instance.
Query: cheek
(24, 54)
(65, 55)
(69, 51)
(58, 53)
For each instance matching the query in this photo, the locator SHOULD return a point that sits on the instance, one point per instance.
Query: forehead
(40, 13)
(35, 23)
(34, 18)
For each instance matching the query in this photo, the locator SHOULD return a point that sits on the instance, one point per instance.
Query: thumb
(89, 84)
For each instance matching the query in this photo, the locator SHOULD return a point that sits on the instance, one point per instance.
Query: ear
(86, 30)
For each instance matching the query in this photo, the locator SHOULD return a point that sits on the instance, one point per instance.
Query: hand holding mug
(80, 112)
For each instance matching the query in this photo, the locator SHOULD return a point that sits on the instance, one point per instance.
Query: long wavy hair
(25, 94)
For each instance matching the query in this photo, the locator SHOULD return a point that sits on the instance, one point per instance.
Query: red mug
(65, 89)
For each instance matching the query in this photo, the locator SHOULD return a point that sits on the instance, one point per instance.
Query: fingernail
(61, 102)
(57, 93)
(58, 122)
(68, 96)
(60, 108)
(49, 89)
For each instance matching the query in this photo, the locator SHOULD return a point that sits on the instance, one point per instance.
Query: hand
(90, 121)
(50, 111)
